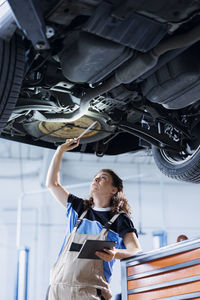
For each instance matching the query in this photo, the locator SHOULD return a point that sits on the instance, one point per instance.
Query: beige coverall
(72, 278)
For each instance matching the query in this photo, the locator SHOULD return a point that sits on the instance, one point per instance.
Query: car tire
(12, 61)
(187, 169)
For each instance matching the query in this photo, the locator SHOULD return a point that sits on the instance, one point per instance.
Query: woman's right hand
(69, 145)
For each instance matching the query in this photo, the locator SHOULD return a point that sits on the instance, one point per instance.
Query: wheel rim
(177, 159)
(72, 129)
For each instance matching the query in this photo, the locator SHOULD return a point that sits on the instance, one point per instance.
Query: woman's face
(102, 185)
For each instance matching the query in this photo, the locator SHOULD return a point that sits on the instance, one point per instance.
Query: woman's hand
(69, 145)
(108, 256)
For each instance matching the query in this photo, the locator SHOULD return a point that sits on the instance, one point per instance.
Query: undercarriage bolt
(40, 45)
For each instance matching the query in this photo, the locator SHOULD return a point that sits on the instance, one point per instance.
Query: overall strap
(107, 226)
(78, 222)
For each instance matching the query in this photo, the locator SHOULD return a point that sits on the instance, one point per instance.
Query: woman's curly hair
(118, 201)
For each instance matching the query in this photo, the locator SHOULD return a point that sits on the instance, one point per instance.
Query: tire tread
(11, 76)
(190, 172)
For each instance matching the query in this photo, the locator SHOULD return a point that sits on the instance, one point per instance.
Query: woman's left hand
(108, 256)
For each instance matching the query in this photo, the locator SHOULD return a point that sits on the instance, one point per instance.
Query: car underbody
(132, 66)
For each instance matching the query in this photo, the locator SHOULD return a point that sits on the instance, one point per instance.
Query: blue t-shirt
(93, 223)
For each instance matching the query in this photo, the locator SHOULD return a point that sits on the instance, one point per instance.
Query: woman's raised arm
(53, 174)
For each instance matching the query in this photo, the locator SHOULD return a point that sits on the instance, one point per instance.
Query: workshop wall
(158, 204)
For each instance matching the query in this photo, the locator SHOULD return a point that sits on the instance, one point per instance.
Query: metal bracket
(100, 148)
(28, 16)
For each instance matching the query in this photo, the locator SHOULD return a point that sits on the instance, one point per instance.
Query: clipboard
(91, 246)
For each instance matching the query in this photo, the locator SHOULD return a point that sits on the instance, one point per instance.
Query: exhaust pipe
(136, 67)
(7, 21)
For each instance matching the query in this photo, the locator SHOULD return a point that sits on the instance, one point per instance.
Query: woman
(105, 216)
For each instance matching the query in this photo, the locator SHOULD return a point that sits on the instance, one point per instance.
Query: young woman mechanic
(103, 217)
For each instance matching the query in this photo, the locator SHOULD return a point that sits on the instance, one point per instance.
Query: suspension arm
(152, 136)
